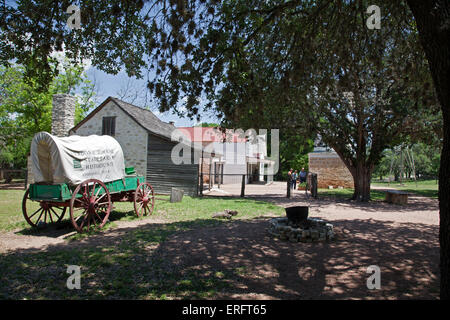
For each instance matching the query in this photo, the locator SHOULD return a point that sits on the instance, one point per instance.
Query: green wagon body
(92, 197)
(63, 192)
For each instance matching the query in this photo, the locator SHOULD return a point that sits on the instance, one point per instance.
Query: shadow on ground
(207, 258)
(415, 203)
(65, 228)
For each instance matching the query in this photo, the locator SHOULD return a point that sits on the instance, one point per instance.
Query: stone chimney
(63, 114)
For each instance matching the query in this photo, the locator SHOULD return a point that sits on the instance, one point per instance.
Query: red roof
(210, 134)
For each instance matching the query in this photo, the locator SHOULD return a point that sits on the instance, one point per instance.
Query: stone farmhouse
(146, 142)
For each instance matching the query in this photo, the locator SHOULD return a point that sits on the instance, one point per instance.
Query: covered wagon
(85, 174)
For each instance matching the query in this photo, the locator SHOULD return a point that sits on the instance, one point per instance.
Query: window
(109, 126)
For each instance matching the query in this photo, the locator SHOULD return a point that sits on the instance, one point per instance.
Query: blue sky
(113, 85)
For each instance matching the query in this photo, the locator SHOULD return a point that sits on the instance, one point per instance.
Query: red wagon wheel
(90, 205)
(39, 213)
(144, 199)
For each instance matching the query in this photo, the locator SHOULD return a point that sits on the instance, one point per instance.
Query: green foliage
(426, 188)
(207, 125)
(25, 109)
(293, 153)
(422, 158)
(259, 64)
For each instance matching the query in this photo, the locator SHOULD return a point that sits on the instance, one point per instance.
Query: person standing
(290, 176)
(294, 179)
(302, 175)
(289, 182)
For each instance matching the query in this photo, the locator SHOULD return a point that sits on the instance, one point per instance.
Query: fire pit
(297, 227)
(297, 215)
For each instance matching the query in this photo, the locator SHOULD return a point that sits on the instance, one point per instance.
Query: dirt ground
(401, 240)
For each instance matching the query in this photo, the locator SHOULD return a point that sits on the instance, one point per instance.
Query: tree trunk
(432, 18)
(362, 176)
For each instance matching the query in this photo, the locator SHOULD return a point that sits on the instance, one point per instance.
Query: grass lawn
(11, 210)
(126, 267)
(427, 188)
(375, 195)
(190, 209)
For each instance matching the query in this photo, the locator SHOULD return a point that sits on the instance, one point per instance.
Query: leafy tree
(384, 166)
(433, 23)
(26, 110)
(195, 47)
(421, 158)
(207, 125)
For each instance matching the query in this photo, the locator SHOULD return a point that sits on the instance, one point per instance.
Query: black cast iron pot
(297, 214)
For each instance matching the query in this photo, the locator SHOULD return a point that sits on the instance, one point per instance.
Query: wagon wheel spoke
(39, 219)
(99, 218)
(88, 221)
(103, 205)
(54, 212)
(144, 199)
(81, 216)
(38, 210)
(105, 211)
(139, 209)
(93, 190)
(94, 206)
(97, 198)
(50, 215)
(98, 192)
(82, 223)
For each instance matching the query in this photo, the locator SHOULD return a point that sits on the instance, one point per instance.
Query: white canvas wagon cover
(74, 159)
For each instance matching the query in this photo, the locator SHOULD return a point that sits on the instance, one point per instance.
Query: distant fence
(13, 177)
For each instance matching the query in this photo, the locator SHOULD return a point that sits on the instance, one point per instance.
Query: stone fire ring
(318, 230)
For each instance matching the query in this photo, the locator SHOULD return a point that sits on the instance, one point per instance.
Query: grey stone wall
(63, 114)
(131, 136)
